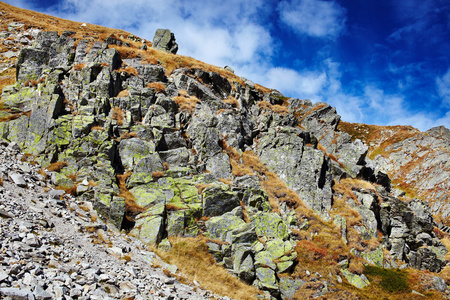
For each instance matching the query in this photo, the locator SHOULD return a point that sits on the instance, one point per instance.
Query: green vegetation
(391, 280)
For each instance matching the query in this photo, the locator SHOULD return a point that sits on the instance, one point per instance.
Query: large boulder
(165, 40)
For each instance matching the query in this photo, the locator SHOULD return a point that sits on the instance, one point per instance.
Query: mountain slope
(168, 148)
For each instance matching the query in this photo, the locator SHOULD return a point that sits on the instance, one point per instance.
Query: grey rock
(219, 199)
(165, 40)
(18, 180)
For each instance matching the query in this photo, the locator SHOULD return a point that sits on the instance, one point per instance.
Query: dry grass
(231, 101)
(128, 135)
(377, 137)
(186, 103)
(131, 207)
(264, 105)
(78, 67)
(7, 77)
(150, 60)
(14, 116)
(157, 174)
(193, 259)
(117, 114)
(226, 181)
(157, 86)
(100, 128)
(129, 71)
(56, 166)
(124, 93)
(357, 184)
(50, 23)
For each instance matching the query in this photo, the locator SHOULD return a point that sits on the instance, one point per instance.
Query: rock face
(196, 157)
(165, 40)
(421, 162)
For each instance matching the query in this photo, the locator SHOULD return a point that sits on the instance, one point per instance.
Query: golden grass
(124, 93)
(157, 86)
(128, 135)
(377, 137)
(7, 77)
(355, 183)
(56, 166)
(117, 114)
(78, 67)
(193, 259)
(129, 71)
(15, 116)
(131, 207)
(100, 128)
(282, 110)
(231, 101)
(186, 103)
(157, 174)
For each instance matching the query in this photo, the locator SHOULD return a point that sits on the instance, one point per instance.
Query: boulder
(218, 227)
(165, 40)
(219, 199)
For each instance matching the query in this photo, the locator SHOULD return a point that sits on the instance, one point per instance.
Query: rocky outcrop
(169, 162)
(420, 165)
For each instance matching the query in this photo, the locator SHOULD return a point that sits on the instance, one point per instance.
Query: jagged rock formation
(417, 162)
(192, 152)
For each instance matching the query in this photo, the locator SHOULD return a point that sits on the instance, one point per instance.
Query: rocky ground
(55, 247)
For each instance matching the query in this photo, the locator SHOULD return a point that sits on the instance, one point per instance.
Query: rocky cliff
(166, 148)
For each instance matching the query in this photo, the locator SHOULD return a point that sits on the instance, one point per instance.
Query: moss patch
(391, 280)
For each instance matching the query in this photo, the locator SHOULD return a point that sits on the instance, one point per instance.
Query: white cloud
(218, 32)
(443, 87)
(297, 84)
(317, 18)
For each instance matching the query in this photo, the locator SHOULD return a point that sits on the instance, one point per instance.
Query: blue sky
(377, 61)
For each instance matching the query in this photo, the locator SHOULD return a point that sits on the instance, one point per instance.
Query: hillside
(250, 194)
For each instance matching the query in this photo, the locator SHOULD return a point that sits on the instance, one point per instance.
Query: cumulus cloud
(317, 18)
(303, 84)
